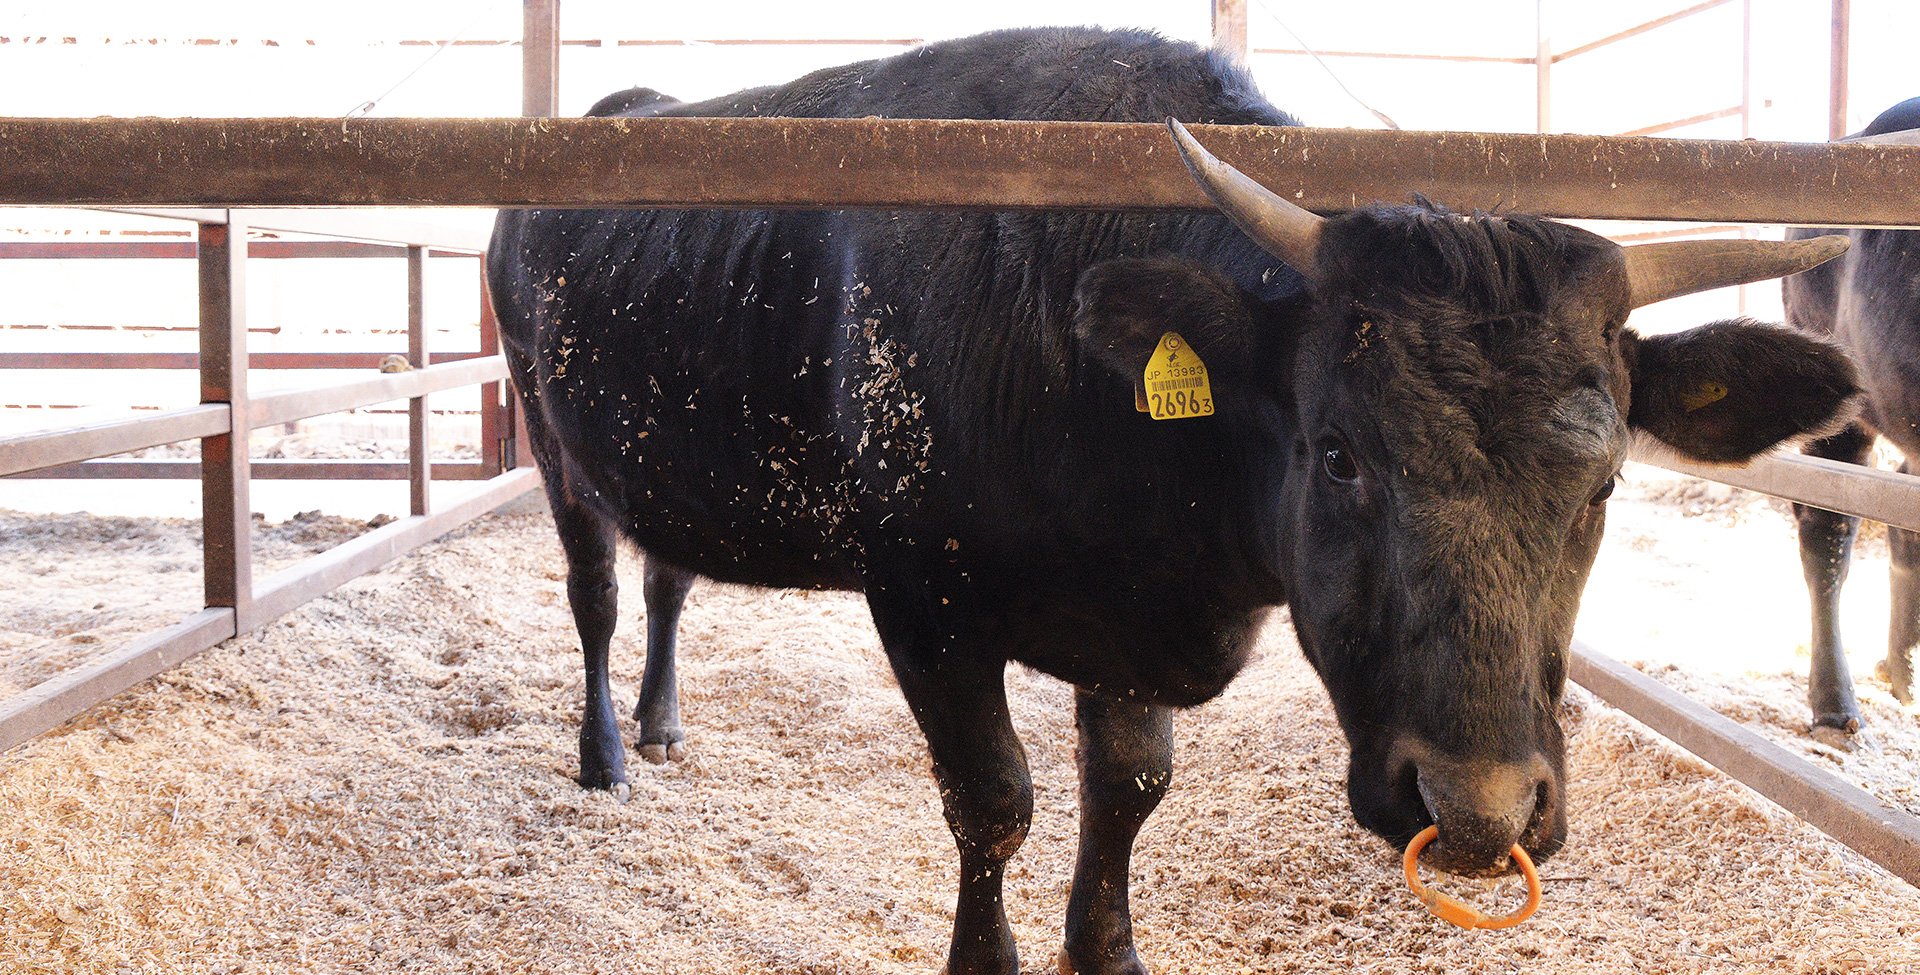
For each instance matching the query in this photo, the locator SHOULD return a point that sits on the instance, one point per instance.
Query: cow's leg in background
(589, 540)
(593, 592)
(1126, 760)
(1903, 625)
(958, 696)
(665, 590)
(1826, 553)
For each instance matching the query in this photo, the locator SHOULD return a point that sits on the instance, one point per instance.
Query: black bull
(1869, 304)
(1417, 419)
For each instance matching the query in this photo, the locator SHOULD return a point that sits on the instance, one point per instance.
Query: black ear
(1723, 392)
(1125, 305)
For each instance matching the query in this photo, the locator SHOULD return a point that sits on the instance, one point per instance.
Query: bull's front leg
(959, 698)
(1126, 761)
(1903, 626)
(1826, 554)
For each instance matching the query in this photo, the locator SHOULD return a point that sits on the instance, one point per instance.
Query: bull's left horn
(1656, 272)
(1287, 231)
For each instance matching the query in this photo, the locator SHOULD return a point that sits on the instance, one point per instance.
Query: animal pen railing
(228, 411)
(883, 163)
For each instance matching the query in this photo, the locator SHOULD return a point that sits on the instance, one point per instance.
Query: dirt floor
(382, 781)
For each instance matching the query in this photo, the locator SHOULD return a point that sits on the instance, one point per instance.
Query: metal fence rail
(235, 602)
(901, 163)
(877, 163)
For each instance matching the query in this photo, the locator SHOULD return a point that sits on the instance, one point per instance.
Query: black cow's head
(1462, 394)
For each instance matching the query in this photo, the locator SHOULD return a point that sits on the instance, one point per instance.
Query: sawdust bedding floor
(382, 781)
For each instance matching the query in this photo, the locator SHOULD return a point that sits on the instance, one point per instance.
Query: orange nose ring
(1448, 909)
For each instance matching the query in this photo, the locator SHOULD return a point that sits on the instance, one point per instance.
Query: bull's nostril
(1411, 787)
(1542, 800)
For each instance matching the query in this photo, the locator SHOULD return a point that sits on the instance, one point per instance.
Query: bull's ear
(1724, 392)
(1125, 305)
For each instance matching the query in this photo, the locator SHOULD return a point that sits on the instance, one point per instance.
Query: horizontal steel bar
(187, 249)
(191, 360)
(286, 406)
(1390, 56)
(1638, 29)
(769, 41)
(1881, 833)
(894, 163)
(1703, 117)
(1704, 230)
(285, 590)
(359, 225)
(1887, 497)
(50, 703)
(51, 447)
(259, 470)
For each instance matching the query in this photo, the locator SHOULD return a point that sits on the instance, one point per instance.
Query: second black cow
(1409, 427)
(1868, 302)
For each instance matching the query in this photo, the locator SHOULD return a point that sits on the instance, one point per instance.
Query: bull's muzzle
(1483, 808)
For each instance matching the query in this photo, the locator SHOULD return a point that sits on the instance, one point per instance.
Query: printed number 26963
(1178, 403)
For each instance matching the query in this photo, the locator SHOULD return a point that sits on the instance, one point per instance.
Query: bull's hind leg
(1826, 553)
(665, 590)
(593, 592)
(1903, 625)
(1126, 761)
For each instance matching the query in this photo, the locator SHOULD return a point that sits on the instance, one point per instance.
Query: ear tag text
(1175, 383)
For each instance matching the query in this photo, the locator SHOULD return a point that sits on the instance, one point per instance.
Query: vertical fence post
(226, 500)
(419, 446)
(493, 452)
(1837, 65)
(1542, 69)
(540, 59)
(1230, 28)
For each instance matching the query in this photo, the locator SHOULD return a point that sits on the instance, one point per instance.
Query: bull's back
(728, 383)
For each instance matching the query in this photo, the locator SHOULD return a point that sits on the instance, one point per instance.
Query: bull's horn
(1656, 272)
(1287, 231)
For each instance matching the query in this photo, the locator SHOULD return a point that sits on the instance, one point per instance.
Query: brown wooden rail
(897, 163)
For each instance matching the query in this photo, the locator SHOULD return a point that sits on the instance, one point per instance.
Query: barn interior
(371, 769)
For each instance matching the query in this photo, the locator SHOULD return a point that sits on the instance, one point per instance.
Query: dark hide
(1869, 302)
(937, 409)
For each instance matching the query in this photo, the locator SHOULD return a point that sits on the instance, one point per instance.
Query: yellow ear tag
(1175, 382)
(1707, 394)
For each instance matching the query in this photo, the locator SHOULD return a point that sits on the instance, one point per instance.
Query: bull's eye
(1338, 461)
(1600, 497)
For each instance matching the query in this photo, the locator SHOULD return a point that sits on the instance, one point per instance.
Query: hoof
(1902, 690)
(1843, 722)
(1064, 965)
(1848, 739)
(660, 753)
(603, 781)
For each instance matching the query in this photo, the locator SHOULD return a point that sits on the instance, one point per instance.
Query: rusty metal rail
(901, 163)
(1876, 495)
(1880, 832)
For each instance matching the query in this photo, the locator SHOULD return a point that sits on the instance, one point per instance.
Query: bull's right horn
(1287, 231)
(1656, 272)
